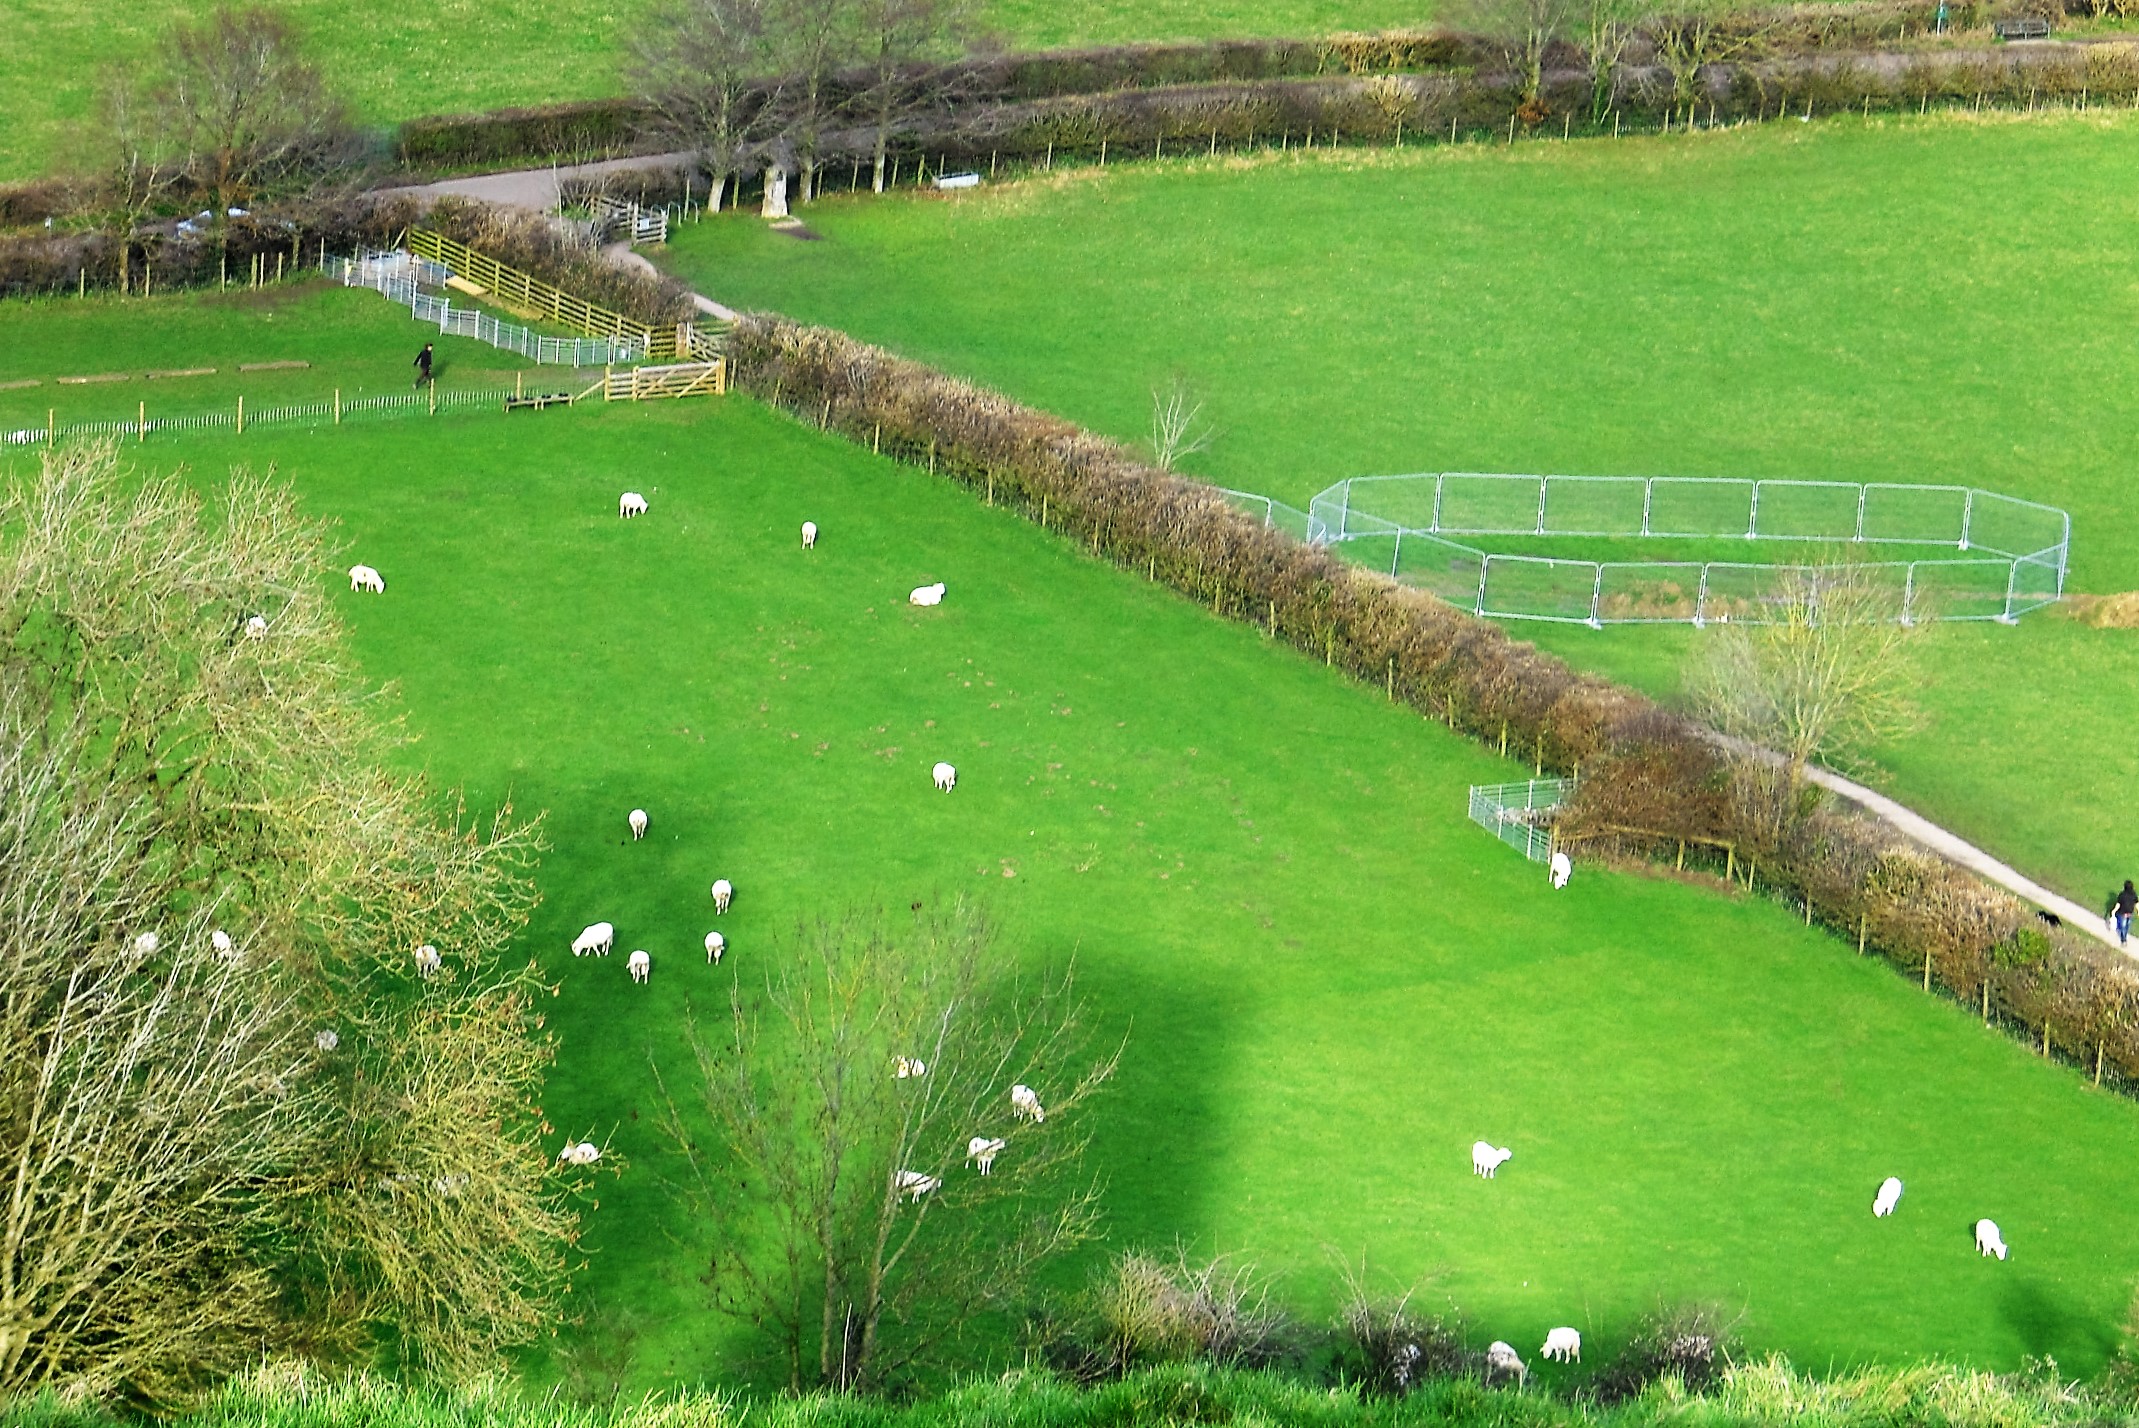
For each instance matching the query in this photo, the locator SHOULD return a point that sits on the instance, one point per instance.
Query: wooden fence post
(1927, 969)
(1863, 920)
(241, 413)
(141, 424)
(337, 406)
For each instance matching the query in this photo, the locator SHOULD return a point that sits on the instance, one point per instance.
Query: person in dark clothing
(2121, 910)
(423, 365)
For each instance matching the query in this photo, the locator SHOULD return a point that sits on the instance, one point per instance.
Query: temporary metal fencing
(1275, 515)
(403, 277)
(1520, 814)
(2010, 555)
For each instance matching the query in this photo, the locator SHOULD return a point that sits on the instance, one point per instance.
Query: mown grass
(1942, 300)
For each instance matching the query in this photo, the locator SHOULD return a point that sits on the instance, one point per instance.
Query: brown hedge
(1648, 776)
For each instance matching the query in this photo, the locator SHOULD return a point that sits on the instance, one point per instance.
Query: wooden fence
(484, 276)
(680, 379)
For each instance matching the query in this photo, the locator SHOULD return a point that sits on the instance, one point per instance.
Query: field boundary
(400, 276)
(529, 296)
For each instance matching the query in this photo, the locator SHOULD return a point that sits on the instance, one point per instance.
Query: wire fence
(1275, 515)
(403, 277)
(240, 418)
(2009, 555)
(1520, 814)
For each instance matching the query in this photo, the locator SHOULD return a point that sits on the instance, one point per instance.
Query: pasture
(1725, 304)
(1331, 982)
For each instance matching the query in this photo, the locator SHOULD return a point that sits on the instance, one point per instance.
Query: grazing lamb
(147, 943)
(256, 627)
(1485, 1159)
(598, 938)
(1562, 1346)
(637, 820)
(907, 1068)
(363, 577)
(946, 777)
(1888, 1197)
(723, 894)
(809, 535)
(1026, 1103)
(427, 960)
(630, 504)
(927, 594)
(1501, 1362)
(913, 1184)
(716, 946)
(220, 941)
(982, 1151)
(328, 1040)
(585, 1152)
(1988, 1240)
(1563, 868)
(639, 964)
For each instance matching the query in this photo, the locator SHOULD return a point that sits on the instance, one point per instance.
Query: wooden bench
(536, 401)
(2028, 28)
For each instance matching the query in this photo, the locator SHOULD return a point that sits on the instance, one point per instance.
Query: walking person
(422, 365)
(2121, 910)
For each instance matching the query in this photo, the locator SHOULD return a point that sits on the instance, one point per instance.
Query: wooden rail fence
(678, 379)
(484, 276)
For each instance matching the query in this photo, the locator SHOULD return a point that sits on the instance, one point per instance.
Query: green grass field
(1943, 300)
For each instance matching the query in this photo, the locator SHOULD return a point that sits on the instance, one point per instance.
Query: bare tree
(705, 67)
(141, 160)
(812, 40)
(1608, 27)
(1524, 30)
(1177, 425)
(899, 40)
(830, 1148)
(239, 1114)
(1690, 37)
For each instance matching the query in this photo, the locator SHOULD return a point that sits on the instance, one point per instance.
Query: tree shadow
(2050, 1325)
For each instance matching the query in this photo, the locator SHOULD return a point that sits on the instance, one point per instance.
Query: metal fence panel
(1441, 567)
(1538, 588)
(1648, 592)
(1696, 506)
(1930, 515)
(1520, 814)
(1804, 510)
(1476, 503)
(1594, 505)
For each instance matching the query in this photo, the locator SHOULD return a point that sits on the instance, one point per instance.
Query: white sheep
(1988, 1240)
(723, 894)
(637, 820)
(913, 1184)
(256, 627)
(147, 943)
(598, 938)
(427, 960)
(946, 777)
(809, 535)
(1563, 868)
(716, 946)
(1485, 1159)
(1502, 1360)
(363, 577)
(1562, 1345)
(927, 594)
(220, 941)
(982, 1151)
(584, 1152)
(1026, 1103)
(1888, 1197)
(639, 964)
(328, 1040)
(630, 504)
(907, 1067)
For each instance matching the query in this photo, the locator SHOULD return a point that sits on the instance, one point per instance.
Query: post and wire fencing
(1521, 814)
(1946, 552)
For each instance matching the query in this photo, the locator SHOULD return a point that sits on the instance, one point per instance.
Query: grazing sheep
(147, 943)
(1988, 1240)
(637, 820)
(1485, 1159)
(809, 535)
(907, 1067)
(913, 1184)
(630, 504)
(427, 960)
(1563, 868)
(982, 1151)
(328, 1040)
(927, 594)
(946, 777)
(598, 938)
(723, 894)
(1888, 1197)
(1563, 1346)
(1501, 1361)
(220, 941)
(584, 1152)
(716, 946)
(363, 577)
(1026, 1103)
(256, 627)
(639, 964)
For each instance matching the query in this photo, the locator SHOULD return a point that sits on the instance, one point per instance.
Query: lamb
(256, 627)
(1485, 1159)
(1563, 868)
(982, 1151)
(639, 964)
(723, 894)
(927, 594)
(907, 1067)
(598, 938)
(1988, 1240)
(329, 1039)
(147, 943)
(427, 960)
(1562, 1346)
(947, 778)
(913, 1184)
(630, 504)
(363, 577)
(1501, 1361)
(1026, 1103)
(809, 535)
(1888, 1197)
(637, 820)
(220, 941)
(716, 945)
(585, 1152)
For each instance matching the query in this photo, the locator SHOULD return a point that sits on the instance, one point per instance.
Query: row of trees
(1684, 35)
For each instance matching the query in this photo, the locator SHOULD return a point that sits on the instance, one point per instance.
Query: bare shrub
(1388, 1347)
(1690, 1344)
(1177, 425)
(1144, 1309)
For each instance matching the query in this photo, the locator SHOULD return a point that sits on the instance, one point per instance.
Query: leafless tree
(1177, 425)
(812, 40)
(1524, 30)
(1607, 28)
(706, 67)
(899, 42)
(141, 161)
(827, 1141)
(285, 1137)
(1690, 37)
